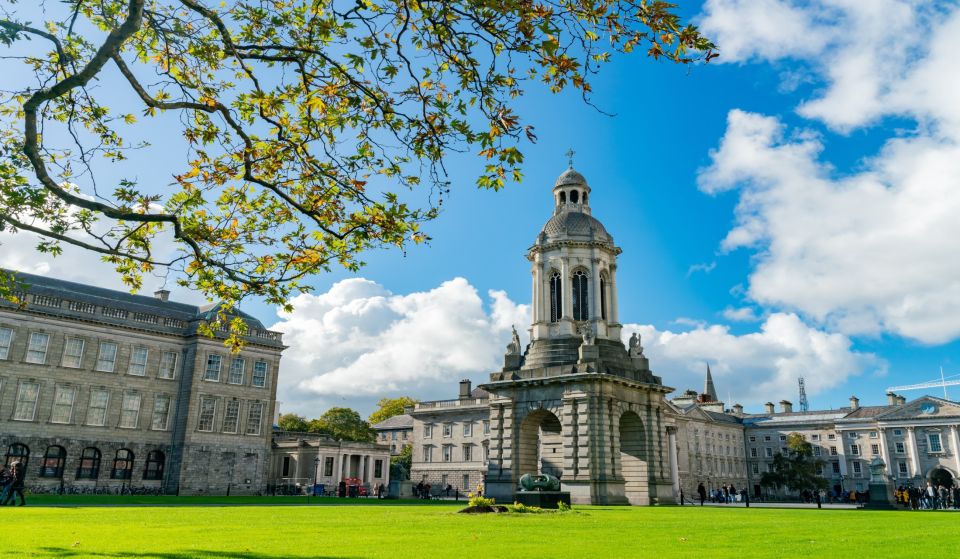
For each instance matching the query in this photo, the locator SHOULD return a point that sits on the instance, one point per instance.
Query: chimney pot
(901, 400)
(854, 402)
(786, 406)
(769, 407)
(738, 409)
(162, 294)
(891, 399)
(465, 387)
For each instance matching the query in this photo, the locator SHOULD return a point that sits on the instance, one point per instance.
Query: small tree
(343, 424)
(797, 470)
(293, 422)
(390, 407)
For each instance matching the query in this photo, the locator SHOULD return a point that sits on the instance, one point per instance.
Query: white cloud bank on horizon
(358, 342)
(872, 250)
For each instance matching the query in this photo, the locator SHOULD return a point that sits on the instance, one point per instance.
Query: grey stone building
(104, 388)
(396, 431)
(299, 460)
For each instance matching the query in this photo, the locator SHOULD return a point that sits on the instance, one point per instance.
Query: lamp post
(316, 474)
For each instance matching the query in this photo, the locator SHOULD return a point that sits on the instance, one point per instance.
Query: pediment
(925, 407)
(694, 412)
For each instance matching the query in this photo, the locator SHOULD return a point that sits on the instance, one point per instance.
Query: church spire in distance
(708, 387)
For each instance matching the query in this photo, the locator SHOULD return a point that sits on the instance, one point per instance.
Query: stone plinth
(542, 499)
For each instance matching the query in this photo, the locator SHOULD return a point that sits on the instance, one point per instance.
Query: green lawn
(391, 531)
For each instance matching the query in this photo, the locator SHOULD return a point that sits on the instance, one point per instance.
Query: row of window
(106, 362)
(98, 404)
(830, 436)
(287, 467)
(448, 429)
(393, 435)
(447, 450)
(935, 445)
(206, 419)
(88, 464)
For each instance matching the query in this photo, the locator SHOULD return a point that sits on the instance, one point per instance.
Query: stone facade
(103, 388)
(300, 459)
(396, 431)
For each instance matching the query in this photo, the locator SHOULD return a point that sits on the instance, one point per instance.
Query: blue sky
(785, 210)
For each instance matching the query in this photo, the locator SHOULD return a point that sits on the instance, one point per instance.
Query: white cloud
(358, 342)
(755, 367)
(741, 314)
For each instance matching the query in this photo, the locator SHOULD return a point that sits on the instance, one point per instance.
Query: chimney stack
(901, 400)
(769, 407)
(891, 399)
(162, 294)
(786, 406)
(854, 403)
(465, 389)
(737, 409)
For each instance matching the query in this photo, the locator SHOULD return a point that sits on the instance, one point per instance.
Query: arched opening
(940, 476)
(563, 197)
(603, 297)
(556, 297)
(581, 306)
(584, 198)
(122, 465)
(89, 464)
(574, 196)
(541, 445)
(18, 452)
(154, 469)
(53, 460)
(633, 459)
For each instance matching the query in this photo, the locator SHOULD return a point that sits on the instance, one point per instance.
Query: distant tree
(305, 123)
(293, 422)
(390, 407)
(342, 424)
(797, 469)
(400, 464)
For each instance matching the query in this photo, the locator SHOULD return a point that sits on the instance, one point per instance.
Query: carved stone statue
(636, 350)
(513, 348)
(586, 330)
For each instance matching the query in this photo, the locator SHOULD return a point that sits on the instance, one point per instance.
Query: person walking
(6, 482)
(19, 472)
(702, 493)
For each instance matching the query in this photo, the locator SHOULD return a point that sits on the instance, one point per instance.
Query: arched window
(563, 197)
(603, 298)
(53, 461)
(573, 196)
(581, 307)
(89, 464)
(556, 297)
(584, 198)
(18, 452)
(122, 465)
(154, 470)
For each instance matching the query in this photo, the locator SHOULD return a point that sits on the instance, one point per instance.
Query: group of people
(931, 497)
(11, 483)
(422, 490)
(723, 494)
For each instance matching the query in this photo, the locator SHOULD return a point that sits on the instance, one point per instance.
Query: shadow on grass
(191, 554)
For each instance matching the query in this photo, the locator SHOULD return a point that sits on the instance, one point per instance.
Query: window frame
(92, 472)
(125, 411)
(57, 391)
(5, 349)
(100, 357)
(153, 468)
(134, 361)
(79, 356)
(17, 415)
(206, 369)
(173, 370)
(259, 406)
(243, 370)
(22, 457)
(256, 373)
(33, 350)
(59, 461)
(105, 408)
(202, 410)
(126, 472)
(227, 415)
(939, 439)
(580, 295)
(166, 413)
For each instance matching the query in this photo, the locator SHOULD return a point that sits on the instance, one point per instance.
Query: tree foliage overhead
(293, 422)
(313, 129)
(390, 407)
(343, 424)
(797, 470)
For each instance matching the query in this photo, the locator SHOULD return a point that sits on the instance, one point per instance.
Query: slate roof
(403, 421)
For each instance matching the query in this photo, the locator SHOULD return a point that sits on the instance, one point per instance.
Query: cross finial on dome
(570, 153)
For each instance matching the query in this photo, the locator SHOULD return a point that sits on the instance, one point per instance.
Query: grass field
(412, 530)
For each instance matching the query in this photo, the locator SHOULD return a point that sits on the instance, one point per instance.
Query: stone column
(956, 447)
(674, 465)
(597, 313)
(567, 289)
(914, 452)
(614, 311)
(535, 292)
(884, 453)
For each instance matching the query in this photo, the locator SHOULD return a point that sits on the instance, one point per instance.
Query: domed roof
(571, 225)
(570, 177)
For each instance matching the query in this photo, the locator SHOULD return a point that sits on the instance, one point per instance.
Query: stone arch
(941, 475)
(540, 444)
(634, 465)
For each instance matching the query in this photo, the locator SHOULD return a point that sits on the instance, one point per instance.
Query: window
(138, 362)
(783, 438)
(766, 438)
(875, 449)
(107, 357)
(486, 453)
(428, 454)
(72, 353)
(873, 434)
(26, 407)
(17, 452)
(466, 482)
(168, 365)
(237, 367)
(857, 468)
(161, 413)
(603, 298)
(897, 432)
(934, 439)
(212, 372)
(467, 428)
(6, 340)
(768, 452)
(815, 437)
(286, 467)
(467, 453)
(852, 435)
(97, 410)
(208, 407)
(122, 464)
(154, 469)
(836, 467)
(831, 437)
(855, 449)
(448, 429)
(448, 453)
(63, 398)
(254, 418)
(486, 427)
(37, 349)
(581, 307)
(443, 480)
(753, 453)
(403, 435)
(816, 451)
(129, 410)
(89, 464)
(556, 297)
(752, 439)
(428, 431)
(898, 447)
(231, 417)
(53, 460)
(833, 451)
(328, 466)
(902, 468)
(393, 435)
(260, 374)
(378, 468)
(756, 468)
